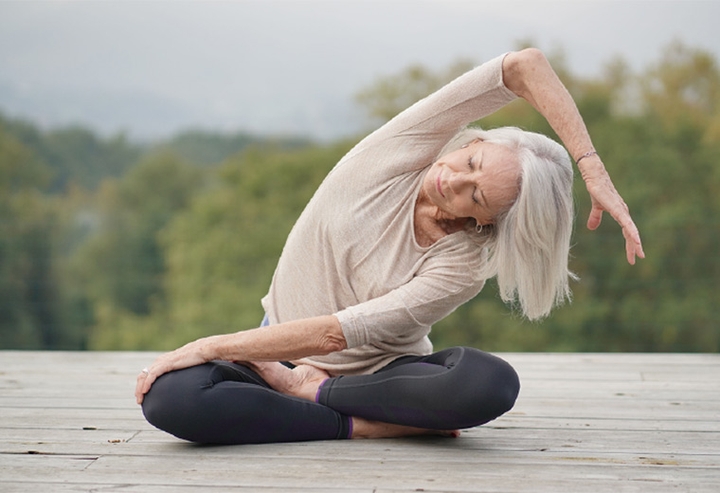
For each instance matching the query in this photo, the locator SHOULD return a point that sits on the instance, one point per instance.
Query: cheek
(465, 208)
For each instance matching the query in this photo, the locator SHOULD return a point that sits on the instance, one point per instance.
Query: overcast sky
(153, 68)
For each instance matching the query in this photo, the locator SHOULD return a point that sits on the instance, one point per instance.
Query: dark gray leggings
(222, 402)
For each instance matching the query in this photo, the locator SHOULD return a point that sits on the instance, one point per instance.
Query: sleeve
(427, 298)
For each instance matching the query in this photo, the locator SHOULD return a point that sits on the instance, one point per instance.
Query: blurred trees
(105, 244)
(74, 154)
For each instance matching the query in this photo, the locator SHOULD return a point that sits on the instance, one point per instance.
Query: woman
(405, 228)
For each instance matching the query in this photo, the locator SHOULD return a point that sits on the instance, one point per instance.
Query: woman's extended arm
(528, 74)
(282, 342)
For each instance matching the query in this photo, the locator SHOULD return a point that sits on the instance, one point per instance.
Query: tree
(30, 299)
(74, 154)
(121, 266)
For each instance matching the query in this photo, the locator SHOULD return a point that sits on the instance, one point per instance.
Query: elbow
(330, 337)
(525, 60)
(520, 66)
(332, 343)
(532, 55)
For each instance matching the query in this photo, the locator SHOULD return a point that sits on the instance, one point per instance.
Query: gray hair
(529, 245)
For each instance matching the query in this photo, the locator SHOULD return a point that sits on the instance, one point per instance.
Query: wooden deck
(583, 423)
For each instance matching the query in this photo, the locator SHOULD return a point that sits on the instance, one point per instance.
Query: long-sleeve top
(353, 251)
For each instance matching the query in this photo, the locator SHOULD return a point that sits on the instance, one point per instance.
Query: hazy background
(153, 68)
(155, 155)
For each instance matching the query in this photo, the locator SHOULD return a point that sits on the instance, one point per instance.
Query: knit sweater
(353, 251)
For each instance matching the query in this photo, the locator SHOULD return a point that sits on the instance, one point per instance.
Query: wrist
(586, 155)
(591, 166)
(210, 348)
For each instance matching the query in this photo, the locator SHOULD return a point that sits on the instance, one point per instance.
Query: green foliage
(109, 245)
(122, 266)
(75, 155)
(31, 304)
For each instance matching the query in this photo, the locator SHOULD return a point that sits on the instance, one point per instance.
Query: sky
(152, 68)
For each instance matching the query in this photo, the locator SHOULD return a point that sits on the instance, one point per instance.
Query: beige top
(353, 251)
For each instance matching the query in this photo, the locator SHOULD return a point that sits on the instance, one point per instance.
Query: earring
(478, 228)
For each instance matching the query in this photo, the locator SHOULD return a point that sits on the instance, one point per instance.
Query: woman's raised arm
(283, 342)
(528, 74)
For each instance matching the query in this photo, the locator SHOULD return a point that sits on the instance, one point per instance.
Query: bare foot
(302, 381)
(362, 428)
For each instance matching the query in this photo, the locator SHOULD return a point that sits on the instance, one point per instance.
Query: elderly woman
(405, 228)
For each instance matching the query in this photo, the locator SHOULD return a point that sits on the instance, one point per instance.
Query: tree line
(109, 244)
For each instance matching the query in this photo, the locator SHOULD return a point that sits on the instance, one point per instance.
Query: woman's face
(479, 181)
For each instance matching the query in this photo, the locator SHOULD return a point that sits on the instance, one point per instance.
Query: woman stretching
(406, 227)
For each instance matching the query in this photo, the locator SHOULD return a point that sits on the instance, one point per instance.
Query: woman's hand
(605, 197)
(191, 354)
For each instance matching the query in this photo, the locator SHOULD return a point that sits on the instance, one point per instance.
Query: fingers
(595, 218)
(139, 385)
(144, 381)
(633, 244)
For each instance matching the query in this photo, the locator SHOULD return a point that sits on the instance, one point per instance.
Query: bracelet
(587, 154)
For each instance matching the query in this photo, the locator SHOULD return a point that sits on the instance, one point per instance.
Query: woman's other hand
(605, 198)
(191, 354)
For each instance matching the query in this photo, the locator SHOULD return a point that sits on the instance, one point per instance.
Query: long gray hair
(529, 244)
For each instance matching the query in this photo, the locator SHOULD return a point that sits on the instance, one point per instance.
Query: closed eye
(472, 168)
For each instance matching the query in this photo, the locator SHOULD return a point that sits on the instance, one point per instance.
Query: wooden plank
(113, 442)
(507, 471)
(25, 487)
(583, 422)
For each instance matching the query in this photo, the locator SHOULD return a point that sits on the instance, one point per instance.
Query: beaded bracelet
(587, 154)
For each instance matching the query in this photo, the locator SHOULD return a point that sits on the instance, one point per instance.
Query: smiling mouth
(439, 186)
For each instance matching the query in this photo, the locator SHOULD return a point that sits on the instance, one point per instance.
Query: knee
(170, 405)
(505, 385)
(493, 387)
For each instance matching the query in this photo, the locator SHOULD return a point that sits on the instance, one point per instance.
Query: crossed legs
(222, 402)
